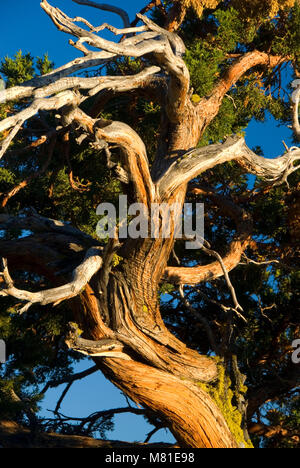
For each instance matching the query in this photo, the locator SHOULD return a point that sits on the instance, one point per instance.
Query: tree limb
(15, 436)
(105, 7)
(129, 141)
(36, 223)
(57, 102)
(81, 276)
(71, 379)
(102, 348)
(209, 106)
(197, 161)
(296, 99)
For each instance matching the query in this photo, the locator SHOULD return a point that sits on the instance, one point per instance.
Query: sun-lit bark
(209, 106)
(116, 303)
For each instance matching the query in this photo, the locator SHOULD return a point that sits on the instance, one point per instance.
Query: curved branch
(209, 106)
(36, 223)
(57, 102)
(81, 276)
(70, 379)
(68, 97)
(129, 141)
(105, 7)
(197, 161)
(95, 84)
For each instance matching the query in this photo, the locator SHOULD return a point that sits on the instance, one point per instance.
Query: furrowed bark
(116, 303)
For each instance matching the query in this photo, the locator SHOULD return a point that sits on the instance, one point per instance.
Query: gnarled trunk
(116, 302)
(160, 372)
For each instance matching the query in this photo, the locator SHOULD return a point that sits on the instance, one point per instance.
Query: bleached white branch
(7, 141)
(39, 224)
(56, 102)
(43, 102)
(81, 276)
(97, 84)
(296, 99)
(197, 161)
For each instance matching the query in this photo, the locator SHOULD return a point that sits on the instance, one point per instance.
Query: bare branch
(129, 141)
(197, 161)
(105, 7)
(199, 317)
(296, 99)
(36, 223)
(237, 306)
(97, 84)
(101, 348)
(71, 379)
(7, 141)
(81, 276)
(56, 102)
(201, 273)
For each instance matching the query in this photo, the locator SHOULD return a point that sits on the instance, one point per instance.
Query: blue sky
(24, 25)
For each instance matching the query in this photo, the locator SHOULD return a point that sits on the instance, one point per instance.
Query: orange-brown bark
(209, 106)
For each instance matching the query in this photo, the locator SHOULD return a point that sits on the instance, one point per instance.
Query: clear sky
(24, 25)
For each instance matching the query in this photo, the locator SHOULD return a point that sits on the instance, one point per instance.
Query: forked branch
(197, 161)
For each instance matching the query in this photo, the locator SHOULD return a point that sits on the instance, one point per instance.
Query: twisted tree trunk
(116, 298)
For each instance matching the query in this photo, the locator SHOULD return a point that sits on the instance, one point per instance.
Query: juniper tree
(188, 81)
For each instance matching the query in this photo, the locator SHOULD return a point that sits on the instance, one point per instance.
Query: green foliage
(35, 355)
(17, 69)
(21, 67)
(44, 64)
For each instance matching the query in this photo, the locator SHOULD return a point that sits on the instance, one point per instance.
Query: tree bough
(119, 313)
